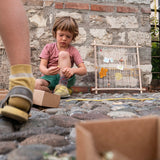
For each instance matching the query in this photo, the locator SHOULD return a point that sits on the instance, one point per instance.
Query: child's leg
(64, 61)
(47, 82)
(15, 35)
(42, 84)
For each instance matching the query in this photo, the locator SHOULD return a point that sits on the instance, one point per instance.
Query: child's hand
(53, 70)
(68, 72)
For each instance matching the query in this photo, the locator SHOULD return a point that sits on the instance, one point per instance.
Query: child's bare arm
(81, 70)
(48, 71)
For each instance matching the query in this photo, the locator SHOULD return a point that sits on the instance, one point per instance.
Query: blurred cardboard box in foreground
(125, 139)
(45, 99)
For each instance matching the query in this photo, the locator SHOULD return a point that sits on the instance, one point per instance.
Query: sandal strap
(18, 91)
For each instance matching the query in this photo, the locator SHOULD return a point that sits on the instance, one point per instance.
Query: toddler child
(57, 59)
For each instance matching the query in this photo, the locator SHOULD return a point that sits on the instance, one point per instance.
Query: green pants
(54, 80)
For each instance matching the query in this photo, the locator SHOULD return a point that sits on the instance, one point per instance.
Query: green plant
(155, 60)
(155, 29)
(155, 44)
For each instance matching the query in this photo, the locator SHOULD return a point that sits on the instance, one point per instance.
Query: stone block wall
(121, 22)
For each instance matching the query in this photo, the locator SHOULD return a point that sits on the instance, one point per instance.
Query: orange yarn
(103, 72)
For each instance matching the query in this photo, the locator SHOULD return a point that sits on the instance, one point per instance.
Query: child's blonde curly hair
(65, 23)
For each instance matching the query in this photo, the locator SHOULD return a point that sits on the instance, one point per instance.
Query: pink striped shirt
(50, 52)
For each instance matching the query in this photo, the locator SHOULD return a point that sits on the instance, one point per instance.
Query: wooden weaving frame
(96, 89)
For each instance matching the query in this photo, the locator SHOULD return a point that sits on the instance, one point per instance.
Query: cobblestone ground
(52, 131)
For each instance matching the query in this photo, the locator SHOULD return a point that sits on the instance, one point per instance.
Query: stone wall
(123, 22)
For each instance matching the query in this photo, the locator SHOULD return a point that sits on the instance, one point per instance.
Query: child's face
(64, 38)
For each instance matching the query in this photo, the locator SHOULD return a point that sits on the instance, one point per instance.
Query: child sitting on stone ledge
(57, 59)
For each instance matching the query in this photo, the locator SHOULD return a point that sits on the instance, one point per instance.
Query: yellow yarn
(110, 99)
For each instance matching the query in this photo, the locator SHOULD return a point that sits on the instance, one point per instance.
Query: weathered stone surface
(37, 123)
(64, 121)
(5, 126)
(48, 139)
(58, 133)
(38, 20)
(97, 19)
(141, 38)
(30, 152)
(75, 15)
(139, 1)
(7, 146)
(103, 109)
(37, 114)
(101, 36)
(90, 116)
(3, 157)
(82, 36)
(67, 149)
(73, 135)
(122, 21)
(21, 135)
(121, 114)
(54, 110)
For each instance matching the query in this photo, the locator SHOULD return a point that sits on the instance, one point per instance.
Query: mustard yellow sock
(21, 75)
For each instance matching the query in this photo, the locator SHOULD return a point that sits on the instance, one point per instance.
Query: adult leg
(14, 31)
(15, 35)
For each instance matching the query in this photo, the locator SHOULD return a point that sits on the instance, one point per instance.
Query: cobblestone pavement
(52, 130)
